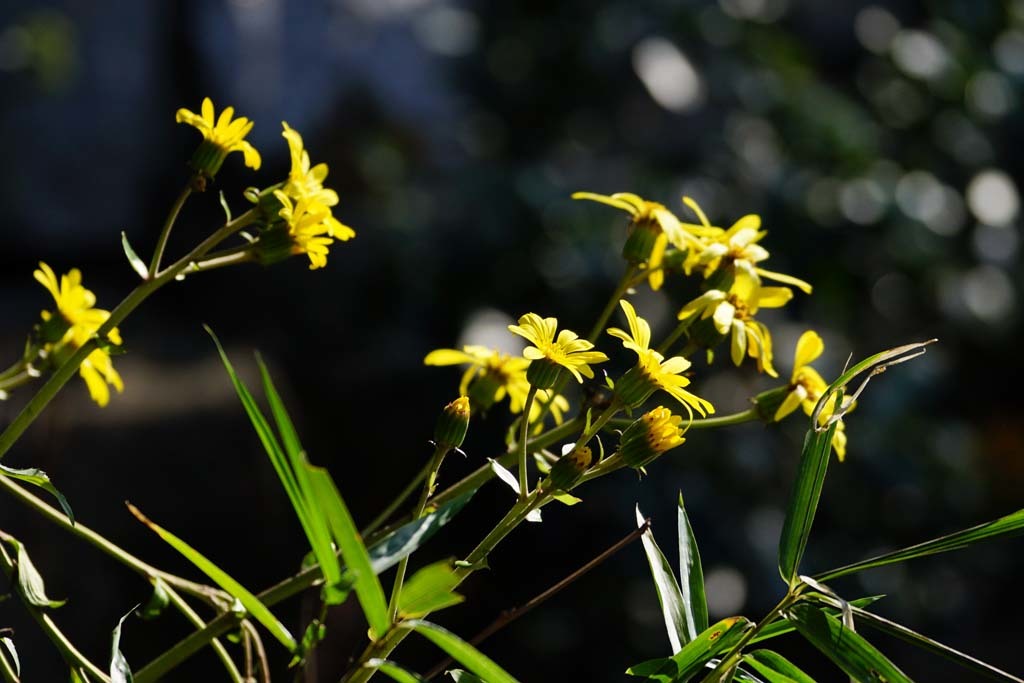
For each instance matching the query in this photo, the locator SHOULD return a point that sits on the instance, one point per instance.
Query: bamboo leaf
(30, 581)
(803, 504)
(462, 652)
(136, 263)
(430, 589)
(404, 540)
(42, 480)
(120, 672)
(673, 606)
(1010, 525)
(252, 604)
(781, 627)
(394, 671)
(691, 575)
(350, 545)
(847, 649)
(926, 643)
(775, 668)
(695, 654)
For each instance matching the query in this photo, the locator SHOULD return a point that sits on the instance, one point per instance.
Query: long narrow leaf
(252, 604)
(691, 575)
(1009, 525)
(673, 606)
(781, 627)
(350, 545)
(924, 642)
(462, 652)
(803, 504)
(692, 658)
(401, 542)
(847, 649)
(775, 668)
(395, 671)
(120, 672)
(42, 480)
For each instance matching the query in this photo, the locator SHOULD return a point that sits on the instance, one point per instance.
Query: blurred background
(876, 140)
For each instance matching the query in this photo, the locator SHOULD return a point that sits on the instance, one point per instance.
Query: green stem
(397, 501)
(15, 381)
(15, 369)
(165, 232)
(625, 283)
(732, 658)
(403, 564)
(67, 650)
(674, 336)
(186, 647)
(222, 261)
(749, 415)
(524, 429)
(9, 674)
(198, 623)
(63, 373)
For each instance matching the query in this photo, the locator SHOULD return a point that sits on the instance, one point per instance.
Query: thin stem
(9, 674)
(165, 232)
(215, 262)
(625, 283)
(397, 502)
(674, 336)
(15, 369)
(67, 650)
(63, 373)
(15, 381)
(187, 647)
(403, 564)
(524, 428)
(197, 622)
(749, 415)
(732, 658)
(261, 653)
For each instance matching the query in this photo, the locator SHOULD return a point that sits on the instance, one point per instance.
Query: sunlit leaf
(781, 627)
(775, 668)
(504, 474)
(8, 645)
(394, 671)
(251, 603)
(673, 607)
(430, 589)
(40, 479)
(717, 638)
(847, 649)
(120, 672)
(462, 652)
(691, 575)
(30, 581)
(460, 676)
(388, 551)
(136, 263)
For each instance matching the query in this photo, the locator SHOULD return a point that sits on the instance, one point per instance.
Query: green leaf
(567, 499)
(718, 638)
(504, 474)
(13, 652)
(30, 581)
(120, 672)
(462, 652)
(395, 671)
(803, 503)
(403, 541)
(926, 643)
(1009, 525)
(691, 575)
(847, 649)
(775, 668)
(252, 604)
(136, 263)
(673, 606)
(40, 479)
(350, 545)
(154, 607)
(430, 589)
(460, 676)
(781, 627)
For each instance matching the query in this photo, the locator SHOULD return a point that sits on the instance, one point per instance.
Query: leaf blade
(462, 652)
(670, 597)
(803, 502)
(430, 589)
(39, 478)
(691, 574)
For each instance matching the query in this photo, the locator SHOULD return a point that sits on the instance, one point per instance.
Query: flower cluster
(74, 324)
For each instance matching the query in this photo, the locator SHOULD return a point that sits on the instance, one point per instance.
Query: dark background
(879, 143)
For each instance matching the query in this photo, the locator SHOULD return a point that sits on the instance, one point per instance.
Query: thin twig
(261, 654)
(510, 615)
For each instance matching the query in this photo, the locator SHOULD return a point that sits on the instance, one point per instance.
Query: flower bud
(767, 402)
(654, 433)
(568, 470)
(634, 387)
(643, 235)
(543, 373)
(275, 244)
(452, 424)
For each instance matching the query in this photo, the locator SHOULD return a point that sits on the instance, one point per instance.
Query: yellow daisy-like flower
(656, 432)
(652, 371)
(307, 182)
(221, 136)
(733, 312)
(308, 228)
(737, 248)
(652, 229)
(79, 323)
(806, 387)
(567, 351)
(492, 375)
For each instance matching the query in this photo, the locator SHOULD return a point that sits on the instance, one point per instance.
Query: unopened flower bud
(643, 235)
(568, 470)
(635, 387)
(654, 433)
(452, 424)
(767, 402)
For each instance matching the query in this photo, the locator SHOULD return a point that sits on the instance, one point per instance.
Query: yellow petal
(448, 357)
(723, 316)
(808, 348)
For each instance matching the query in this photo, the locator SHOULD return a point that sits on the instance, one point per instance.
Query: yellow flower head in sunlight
(652, 371)
(567, 351)
(310, 230)
(307, 182)
(221, 136)
(656, 432)
(806, 387)
(79, 321)
(732, 313)
(652, 229)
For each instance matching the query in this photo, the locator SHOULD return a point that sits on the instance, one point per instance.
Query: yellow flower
(736, 248)
(653, 228)
(221, 136)
(806, 387)
(654, 433)
(305, 182)
(567, 351)
(309, 228)
(652, 371)
(80, 323)
(733, 312)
